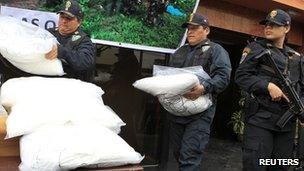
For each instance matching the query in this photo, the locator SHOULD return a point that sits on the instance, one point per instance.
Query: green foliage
(237, 122)
(185, 5)
(237, 119)
(132, 28)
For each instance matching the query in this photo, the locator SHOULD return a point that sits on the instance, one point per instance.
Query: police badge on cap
(72, 9)
(278, 17)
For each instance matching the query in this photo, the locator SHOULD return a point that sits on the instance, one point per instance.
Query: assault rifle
(296, 107)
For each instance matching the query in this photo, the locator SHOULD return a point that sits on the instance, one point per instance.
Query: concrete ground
(220, 155)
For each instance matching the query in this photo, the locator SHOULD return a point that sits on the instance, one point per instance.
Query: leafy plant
(237, 122)
(237, 119)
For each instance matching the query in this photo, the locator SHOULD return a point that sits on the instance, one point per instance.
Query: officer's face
(275, 32)
(196, 34)
(67, 25)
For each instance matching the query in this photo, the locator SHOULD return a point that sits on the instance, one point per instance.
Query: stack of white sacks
(64, 125)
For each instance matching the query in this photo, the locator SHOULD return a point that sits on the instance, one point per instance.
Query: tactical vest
(293, 64)
(292, 69)
(201, 57)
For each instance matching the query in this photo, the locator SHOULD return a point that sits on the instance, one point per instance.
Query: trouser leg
(176, 135)
(257, 144)
(282, 149)
(194, 141)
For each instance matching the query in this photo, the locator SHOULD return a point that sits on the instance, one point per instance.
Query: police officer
(265, 102)
(75, 48)
(190, 134)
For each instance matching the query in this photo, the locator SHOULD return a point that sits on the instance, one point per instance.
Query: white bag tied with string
(169, 84)
(24, 45)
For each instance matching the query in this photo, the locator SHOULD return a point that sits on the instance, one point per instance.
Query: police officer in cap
(190, 134)
(265, 102)
(75, 48)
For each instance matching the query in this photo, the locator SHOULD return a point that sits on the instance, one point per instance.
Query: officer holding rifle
(266, 100)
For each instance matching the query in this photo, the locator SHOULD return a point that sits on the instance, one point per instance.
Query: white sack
(170, 90)
(36, 102)
(167, 84)
(25, 45)
(69, 147)
(26, 118)
(51, 89)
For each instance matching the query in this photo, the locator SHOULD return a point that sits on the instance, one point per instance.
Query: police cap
(278, 17)
(72, 9)
(196, 19)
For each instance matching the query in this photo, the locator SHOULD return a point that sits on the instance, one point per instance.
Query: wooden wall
(298, 4)
(236, 18)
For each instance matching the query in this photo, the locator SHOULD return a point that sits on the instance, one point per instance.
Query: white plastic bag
(169, 84)
(70, 146)
(165, 70)
(25, 45)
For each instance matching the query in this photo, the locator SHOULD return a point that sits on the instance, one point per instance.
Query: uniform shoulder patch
(269, 45)
(296, 53)
(75, 37)
(205, 48)
(245, 52)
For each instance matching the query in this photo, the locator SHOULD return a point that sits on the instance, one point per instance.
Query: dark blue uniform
(262, 138)
(189, 135)
(77, 53)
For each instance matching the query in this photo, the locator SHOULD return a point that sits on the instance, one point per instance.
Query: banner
(39, 18)
(151, 25)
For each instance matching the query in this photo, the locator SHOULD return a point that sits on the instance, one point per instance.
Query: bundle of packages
(24, 45)
(170, 84)
(64, 114)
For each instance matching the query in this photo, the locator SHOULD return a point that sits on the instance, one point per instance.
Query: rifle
(296, 107)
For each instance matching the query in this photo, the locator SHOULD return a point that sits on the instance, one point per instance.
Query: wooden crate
(118, 168)
(9, 147)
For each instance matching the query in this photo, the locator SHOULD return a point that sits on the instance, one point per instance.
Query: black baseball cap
(278, 17)
(196, 19)
(72, 9)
